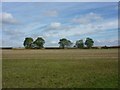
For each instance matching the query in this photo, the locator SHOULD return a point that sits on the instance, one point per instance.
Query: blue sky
(55, 20)
(60, 1)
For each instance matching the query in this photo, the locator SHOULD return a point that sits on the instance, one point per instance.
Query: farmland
(68, 68)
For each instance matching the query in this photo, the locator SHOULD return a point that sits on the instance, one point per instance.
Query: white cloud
(88, 18)
(54, 42)
(110, 24)
(51, 13)
(91, 28)
(7, 18)
(55, 25)
(91, 24)
(12, 37)
(107, 42)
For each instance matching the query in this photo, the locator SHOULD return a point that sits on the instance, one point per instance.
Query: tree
(79, 44)
(39, 42)
(28, 42)
(64, 43)
(69, 43)
(89, 42)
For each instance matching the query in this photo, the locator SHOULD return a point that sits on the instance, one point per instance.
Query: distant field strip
(59, 54)
(95, 68)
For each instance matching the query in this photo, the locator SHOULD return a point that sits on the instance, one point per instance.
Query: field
(95, 68)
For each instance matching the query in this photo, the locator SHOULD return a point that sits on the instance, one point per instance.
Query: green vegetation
(28, 42)
(79, 44)
(64, 43)
(60, 68)
(38, 43)
(89, 42)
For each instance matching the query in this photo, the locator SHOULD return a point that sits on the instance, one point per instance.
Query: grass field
(60, 68)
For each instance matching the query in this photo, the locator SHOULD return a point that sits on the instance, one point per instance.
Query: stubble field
(95, 68)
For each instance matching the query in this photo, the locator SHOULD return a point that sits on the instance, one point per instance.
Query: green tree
(79, 44)
(64, 43)
(89, 42)
(28, 42)
(69, 43)
(39, 42)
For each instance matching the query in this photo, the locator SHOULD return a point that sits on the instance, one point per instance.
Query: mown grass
(60, 68)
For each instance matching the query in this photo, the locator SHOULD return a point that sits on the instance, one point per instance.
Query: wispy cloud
(87, 18)
(13, 33)
(88, 28)
(106, 42)
(53, 21)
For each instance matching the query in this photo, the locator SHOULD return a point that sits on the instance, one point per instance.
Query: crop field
(68, 68)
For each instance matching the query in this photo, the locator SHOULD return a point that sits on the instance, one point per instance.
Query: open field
(96, 68)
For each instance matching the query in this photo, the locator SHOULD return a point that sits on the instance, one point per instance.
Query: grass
(60, 68)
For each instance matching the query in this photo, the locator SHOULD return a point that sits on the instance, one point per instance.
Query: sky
(55, 20)
(60, 0)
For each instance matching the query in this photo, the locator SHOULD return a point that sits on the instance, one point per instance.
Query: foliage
(39, 42)
(65, 43)
(89, 42)
(79, 44)
(28, 42)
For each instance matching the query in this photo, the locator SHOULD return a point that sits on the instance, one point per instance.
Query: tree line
(29, 43)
